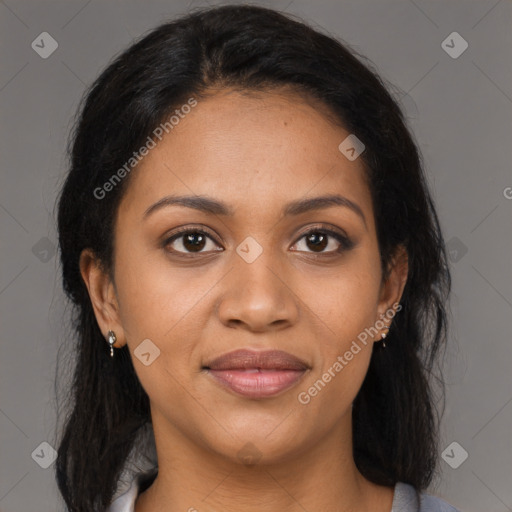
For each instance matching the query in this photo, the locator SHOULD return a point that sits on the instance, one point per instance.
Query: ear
(392, 287)
(103, 296)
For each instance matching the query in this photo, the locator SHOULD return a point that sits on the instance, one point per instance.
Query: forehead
(252, 150)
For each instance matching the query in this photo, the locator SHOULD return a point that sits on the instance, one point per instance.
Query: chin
(257, 448)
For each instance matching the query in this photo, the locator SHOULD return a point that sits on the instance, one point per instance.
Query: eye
(190, 241)
(317, 239)
(187, 241)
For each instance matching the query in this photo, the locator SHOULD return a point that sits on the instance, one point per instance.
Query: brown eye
(317, 240)
(190, 241)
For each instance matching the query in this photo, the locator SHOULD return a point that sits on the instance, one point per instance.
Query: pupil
(199, 244)
(319, 240)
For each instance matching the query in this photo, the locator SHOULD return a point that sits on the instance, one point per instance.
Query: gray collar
(405, 499)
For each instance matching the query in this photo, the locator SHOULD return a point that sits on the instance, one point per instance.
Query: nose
(257, 296)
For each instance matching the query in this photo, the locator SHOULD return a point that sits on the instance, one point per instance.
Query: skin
(255, 152)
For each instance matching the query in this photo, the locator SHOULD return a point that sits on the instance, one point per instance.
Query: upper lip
(269, 359)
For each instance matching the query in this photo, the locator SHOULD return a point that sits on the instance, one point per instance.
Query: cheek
(331, 391)
(159, 304)
(347, 305)
(342, 363)
(348, 309)
(154, 297)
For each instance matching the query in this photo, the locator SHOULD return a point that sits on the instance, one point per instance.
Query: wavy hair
(250, 48)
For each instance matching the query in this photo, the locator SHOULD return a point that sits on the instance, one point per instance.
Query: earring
(383, 335)
(111, 340)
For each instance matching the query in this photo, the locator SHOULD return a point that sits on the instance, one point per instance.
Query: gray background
(460, 110)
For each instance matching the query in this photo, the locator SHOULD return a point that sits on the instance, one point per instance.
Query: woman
(259, 277)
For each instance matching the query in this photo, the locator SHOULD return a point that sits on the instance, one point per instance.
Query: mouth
(257, 374)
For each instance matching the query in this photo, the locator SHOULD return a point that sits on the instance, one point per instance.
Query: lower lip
(261, 384)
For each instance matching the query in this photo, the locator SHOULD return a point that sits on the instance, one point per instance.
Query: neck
(322, 477)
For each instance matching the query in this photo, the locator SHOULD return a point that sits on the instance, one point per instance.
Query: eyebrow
(212, 206)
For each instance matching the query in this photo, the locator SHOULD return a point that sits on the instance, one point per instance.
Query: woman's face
(252, 278)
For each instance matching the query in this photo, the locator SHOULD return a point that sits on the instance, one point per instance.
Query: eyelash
(345, 242)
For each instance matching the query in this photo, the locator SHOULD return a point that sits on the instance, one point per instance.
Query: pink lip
(257, 374)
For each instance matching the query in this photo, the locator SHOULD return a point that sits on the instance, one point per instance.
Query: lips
(257, 374)
(247, 359)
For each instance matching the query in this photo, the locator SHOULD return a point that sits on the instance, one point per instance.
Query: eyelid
(189, 227)
(324, 227)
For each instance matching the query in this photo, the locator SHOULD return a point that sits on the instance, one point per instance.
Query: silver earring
(111, 340)
(383, 335)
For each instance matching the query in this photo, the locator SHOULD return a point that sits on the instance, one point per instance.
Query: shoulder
(434, 504)
(140, 469)
(126, 501)
(407, 499)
